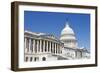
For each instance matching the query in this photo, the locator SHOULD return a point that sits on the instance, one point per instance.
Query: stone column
(43, 45)
(47, 46)
(55, 48)
(29, 45)
(34, 45)
(25, 45)
(40, 45)
(37, 46)
(58, 48)
(50, 47)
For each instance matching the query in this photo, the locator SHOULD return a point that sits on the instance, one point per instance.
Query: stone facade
(46, 47)
(43, 47)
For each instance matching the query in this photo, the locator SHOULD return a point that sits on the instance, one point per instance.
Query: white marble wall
(39, 48)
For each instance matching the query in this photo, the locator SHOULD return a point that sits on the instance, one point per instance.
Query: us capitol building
(47, 47)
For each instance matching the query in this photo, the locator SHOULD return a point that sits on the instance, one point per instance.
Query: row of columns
(36, 46)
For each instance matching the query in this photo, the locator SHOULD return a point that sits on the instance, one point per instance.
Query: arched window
(44, 59)
(31, 58)
(26, 59)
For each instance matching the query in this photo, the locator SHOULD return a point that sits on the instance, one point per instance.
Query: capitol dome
(68, 37)
(67, 30)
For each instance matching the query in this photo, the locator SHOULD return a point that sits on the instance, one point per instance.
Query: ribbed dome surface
(67, 33)
(68, 37)
(67, 30)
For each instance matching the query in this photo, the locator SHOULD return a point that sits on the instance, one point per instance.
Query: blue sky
(54, 22)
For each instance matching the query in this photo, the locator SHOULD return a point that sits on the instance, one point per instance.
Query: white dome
(67, 33)
(67, 30)
(68, 37)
